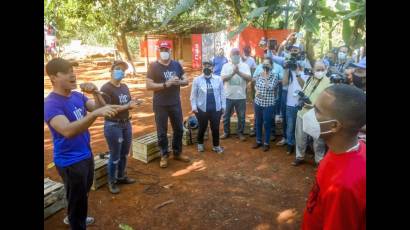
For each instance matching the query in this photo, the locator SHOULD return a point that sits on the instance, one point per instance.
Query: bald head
(345, 103)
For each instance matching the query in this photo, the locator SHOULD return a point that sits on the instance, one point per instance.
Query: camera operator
(313, 87)
(294, 77)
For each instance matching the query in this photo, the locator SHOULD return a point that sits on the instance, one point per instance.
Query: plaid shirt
(265, 93)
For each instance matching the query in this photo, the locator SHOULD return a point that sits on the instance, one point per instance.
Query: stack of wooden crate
(187, 140)
(100, 172)
(145, 148)
(234, 125)
(54, 197)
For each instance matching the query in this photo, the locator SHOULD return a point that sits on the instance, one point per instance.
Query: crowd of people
(315, 106)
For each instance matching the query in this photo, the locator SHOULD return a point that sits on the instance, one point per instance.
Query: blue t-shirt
(218, 62)
(160, 73)
(67, 151)
(210, 97)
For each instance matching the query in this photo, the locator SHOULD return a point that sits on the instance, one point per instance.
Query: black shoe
(297, 162)
(256, 145)
(113, 188)
(266, 148)
(126, 180)
(290, 149)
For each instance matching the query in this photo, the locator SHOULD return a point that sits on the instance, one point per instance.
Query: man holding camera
(311, 90)
(165, 77)
(235, 75)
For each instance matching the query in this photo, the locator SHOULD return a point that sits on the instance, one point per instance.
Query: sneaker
(290, 149)
(224, 136)
(182, 158)
(266, 147)
(281, 142)
(89, 220)
(218, 149)
(201, 148)
(113, 188)
(164, 162)
(297, 162)
(126, 180)
(241, 137)
(256, 145)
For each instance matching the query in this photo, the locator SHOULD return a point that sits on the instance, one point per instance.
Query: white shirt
(235, 88)
(292, 100)
(251, 62)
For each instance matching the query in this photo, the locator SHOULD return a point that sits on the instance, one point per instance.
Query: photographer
(357, 75)
(313, 87)
(294, 78)
(342, 61)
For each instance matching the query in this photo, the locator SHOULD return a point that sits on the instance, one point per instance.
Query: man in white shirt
(235, 75)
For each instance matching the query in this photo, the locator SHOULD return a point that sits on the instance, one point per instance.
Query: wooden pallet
(100, 172)
(234, 125)
(54, 197)
(145, 148)
(194, 133)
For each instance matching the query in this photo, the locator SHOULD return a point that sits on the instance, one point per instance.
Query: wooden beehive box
(194, 133)
(100, 172)
(145, 148)
(54, 197)
(234, 125)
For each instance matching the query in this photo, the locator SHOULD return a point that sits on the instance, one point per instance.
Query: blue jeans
(240, 107)
(119, 137)
(291, 113)
(283, 110)
(263, 117)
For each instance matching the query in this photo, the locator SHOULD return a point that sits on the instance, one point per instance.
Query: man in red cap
(164, 77)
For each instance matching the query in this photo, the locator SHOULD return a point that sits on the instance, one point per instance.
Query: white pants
(301, 137)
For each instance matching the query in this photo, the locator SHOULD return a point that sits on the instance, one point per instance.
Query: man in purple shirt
(65, 112)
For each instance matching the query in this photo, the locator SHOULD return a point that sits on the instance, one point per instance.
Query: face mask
(235, 59)
(164, 55)
(207, 72)
(358, 81)
(118, 74)
(311, 126)
(341, 56)
(320, 74)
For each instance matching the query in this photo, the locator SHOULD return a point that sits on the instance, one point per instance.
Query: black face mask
(266, 68)
(359, 82)
(207, 71)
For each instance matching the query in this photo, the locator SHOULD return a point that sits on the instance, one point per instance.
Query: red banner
(196, 51)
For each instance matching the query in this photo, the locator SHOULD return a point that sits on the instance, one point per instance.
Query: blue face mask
(118, 74)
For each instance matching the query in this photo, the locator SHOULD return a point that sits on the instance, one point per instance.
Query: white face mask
(341, 55)
(311, 126)
(164, 55)
(320, 74)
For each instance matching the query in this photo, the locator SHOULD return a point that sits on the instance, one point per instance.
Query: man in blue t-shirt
(65, 112)
(165, 77)
(218, 61)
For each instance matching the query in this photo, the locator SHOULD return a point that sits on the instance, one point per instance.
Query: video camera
(272, 44)
(302, 99)
(292, 61)
(337, 77)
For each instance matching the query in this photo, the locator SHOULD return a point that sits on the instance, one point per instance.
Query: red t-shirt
(338, 197)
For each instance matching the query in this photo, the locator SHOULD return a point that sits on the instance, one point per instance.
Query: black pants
(77, 179)
(214, 118)
(174, 112)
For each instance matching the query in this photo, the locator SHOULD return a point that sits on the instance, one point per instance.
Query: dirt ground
(241, 189)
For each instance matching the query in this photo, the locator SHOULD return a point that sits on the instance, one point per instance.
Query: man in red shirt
(338, 197)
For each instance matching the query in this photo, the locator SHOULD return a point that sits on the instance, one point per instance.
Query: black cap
(59, 65)
(119, 63)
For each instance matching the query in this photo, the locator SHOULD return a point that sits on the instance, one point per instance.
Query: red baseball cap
(164, 45)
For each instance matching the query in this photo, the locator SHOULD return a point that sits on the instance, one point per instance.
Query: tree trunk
(122, 47)
(330, 34)
(309, 48)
